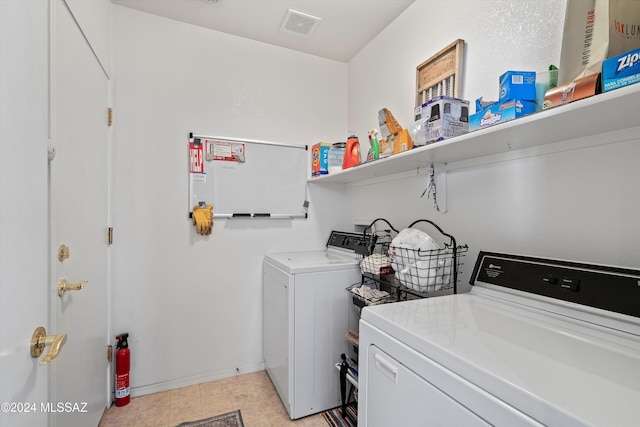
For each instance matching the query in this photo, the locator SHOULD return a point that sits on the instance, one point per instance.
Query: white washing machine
(306, 317)
(536, 342)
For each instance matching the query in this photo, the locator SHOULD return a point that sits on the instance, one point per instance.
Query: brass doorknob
(64, 286)
(40, 340)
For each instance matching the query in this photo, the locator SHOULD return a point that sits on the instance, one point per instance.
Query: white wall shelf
(606, 112)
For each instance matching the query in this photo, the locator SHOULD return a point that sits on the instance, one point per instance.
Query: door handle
(40, 340)
(64, 286)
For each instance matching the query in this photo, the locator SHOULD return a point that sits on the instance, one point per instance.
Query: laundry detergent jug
(351, 153)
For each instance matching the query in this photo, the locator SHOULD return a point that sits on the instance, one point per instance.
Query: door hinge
(110, 236)
(109, 116)
(109, 353)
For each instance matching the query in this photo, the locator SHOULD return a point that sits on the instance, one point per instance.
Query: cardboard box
(578, 89)
(501, 112)
(620, 71)
(518, 85)
(400, 141)
(442, 117)
(320, 158)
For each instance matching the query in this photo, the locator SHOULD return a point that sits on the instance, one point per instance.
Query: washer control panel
(347, 241)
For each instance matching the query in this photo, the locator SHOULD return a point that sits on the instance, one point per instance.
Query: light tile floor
(252, 393)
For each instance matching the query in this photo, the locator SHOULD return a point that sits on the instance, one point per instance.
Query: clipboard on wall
(245, 178)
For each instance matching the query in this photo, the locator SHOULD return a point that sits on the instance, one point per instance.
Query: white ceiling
(346, 26)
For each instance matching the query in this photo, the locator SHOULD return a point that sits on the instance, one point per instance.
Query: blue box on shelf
(622, 70)
(500, 112)
(518, 85)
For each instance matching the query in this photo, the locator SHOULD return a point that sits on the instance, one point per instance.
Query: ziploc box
(622, 70)
(443, 117)
(320, 158)
(518, 85)
(499, 112)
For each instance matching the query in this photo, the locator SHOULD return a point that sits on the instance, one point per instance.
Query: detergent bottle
(374, 149)
(351, 152)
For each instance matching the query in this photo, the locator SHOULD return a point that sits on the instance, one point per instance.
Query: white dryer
(536, 342)
(306, 316)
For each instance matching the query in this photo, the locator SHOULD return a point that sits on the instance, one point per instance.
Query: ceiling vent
(299, 23)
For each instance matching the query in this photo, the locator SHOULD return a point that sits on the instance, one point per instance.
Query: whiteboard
(247, 178)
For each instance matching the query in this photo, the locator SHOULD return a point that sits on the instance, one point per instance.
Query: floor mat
(333, 417)
(231, 419)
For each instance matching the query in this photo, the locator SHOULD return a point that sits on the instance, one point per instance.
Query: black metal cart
(394, 271)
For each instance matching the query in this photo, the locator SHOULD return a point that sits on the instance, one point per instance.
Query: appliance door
(403, 398)
(276, 330)
(399, 386)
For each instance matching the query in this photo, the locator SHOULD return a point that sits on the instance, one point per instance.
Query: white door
(23, 209)
(78, 191)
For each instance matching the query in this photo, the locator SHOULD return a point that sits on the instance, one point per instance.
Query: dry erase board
(248, 178)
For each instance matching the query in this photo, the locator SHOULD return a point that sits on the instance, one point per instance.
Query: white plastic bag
(412, 238)
(415, 262)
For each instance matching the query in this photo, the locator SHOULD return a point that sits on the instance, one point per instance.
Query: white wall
(580, 204)
(191, 303)
(24, 257)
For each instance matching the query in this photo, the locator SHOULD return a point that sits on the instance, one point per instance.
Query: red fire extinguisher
(123, 364)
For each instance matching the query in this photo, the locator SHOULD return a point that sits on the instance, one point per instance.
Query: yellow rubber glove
(203, 219)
